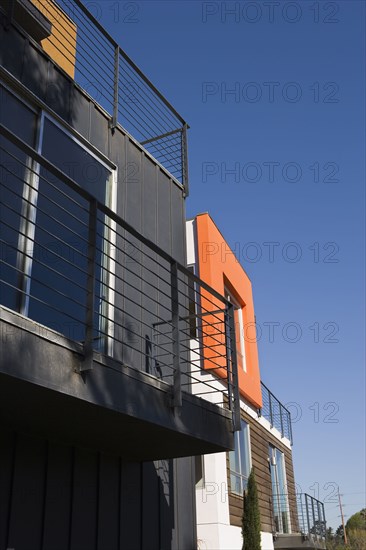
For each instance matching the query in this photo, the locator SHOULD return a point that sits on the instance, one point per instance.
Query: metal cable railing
(276, 413)
(311, 517)
(112, 79)
(72, 264)
(305, 515)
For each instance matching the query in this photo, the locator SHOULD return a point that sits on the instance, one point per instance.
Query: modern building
(264, 441)
(99, 423)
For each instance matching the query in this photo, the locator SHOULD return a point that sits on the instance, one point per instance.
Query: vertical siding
(58, 497)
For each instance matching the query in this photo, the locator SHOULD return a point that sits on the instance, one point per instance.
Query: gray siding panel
(58, 497)
(12, 48)
(185, 509)
(35, 72)
(133, 183)
(178, 224)
(99, 129)
(130, 506)
(58, 93)
(28, 494)
(108, 503)
(150, 508)
(149, 206)
(7, 449)
(164, 222)
(84, 501)
(80, 107)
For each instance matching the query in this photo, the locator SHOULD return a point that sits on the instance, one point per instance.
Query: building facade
(99, 423)
(264, 441)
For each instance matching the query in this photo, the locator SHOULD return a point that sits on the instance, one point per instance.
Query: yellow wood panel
(61, 44)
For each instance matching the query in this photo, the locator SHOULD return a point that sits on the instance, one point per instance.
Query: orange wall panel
(219, 268)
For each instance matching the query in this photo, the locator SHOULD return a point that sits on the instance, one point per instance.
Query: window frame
(281, 502)
(237, 448)
(230, 296)
(29, 212)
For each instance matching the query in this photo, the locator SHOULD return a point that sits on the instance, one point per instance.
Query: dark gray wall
(57, 497)
(53, 496)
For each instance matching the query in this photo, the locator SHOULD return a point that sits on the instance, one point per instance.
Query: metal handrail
(280, 420)
(310, 514)
(153, 119)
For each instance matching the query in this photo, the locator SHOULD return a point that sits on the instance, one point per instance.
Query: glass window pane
(58, 289)
(70, 157)
(240, 460)
(244, 449)
(15, 165)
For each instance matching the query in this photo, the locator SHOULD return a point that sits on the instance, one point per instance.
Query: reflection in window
(58, 287)
(281, 509)
(15, 183)
(44, 228)
(240, 460)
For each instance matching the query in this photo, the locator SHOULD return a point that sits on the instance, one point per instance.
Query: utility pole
(342, 516)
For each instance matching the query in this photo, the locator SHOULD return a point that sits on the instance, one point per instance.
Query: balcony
(89, 58)
(306, 529)
(97, 323)
(276, 413)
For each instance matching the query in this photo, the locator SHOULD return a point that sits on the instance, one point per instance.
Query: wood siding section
(260, 439)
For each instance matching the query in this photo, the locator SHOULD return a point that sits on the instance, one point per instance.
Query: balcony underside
(113, 408)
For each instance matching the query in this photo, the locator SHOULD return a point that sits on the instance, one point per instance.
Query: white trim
(190, 242)
(238, 308)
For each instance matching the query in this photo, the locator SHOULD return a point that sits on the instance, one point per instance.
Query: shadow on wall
(31, 67)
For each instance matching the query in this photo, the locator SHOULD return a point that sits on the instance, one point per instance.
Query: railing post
(300, 512)
(270, 408)
(281, 419)
(307, 513)
(114, 120)
(177, 386)
(232, 369)
(320, 521)
(87, 363)
(185, 180)
(290, 426)
(313, 513)
(324, 521)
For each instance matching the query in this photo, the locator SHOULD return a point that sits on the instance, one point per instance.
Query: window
(45, 226)
(239, 330)
(281, 509)
(58, 273)
(240, 460)
(15, 178)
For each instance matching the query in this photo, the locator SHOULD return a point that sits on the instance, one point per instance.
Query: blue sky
(292, 207)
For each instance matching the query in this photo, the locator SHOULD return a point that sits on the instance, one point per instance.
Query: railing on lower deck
(305, 515)
(311, 517)
(277, 414)
(70, 263)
